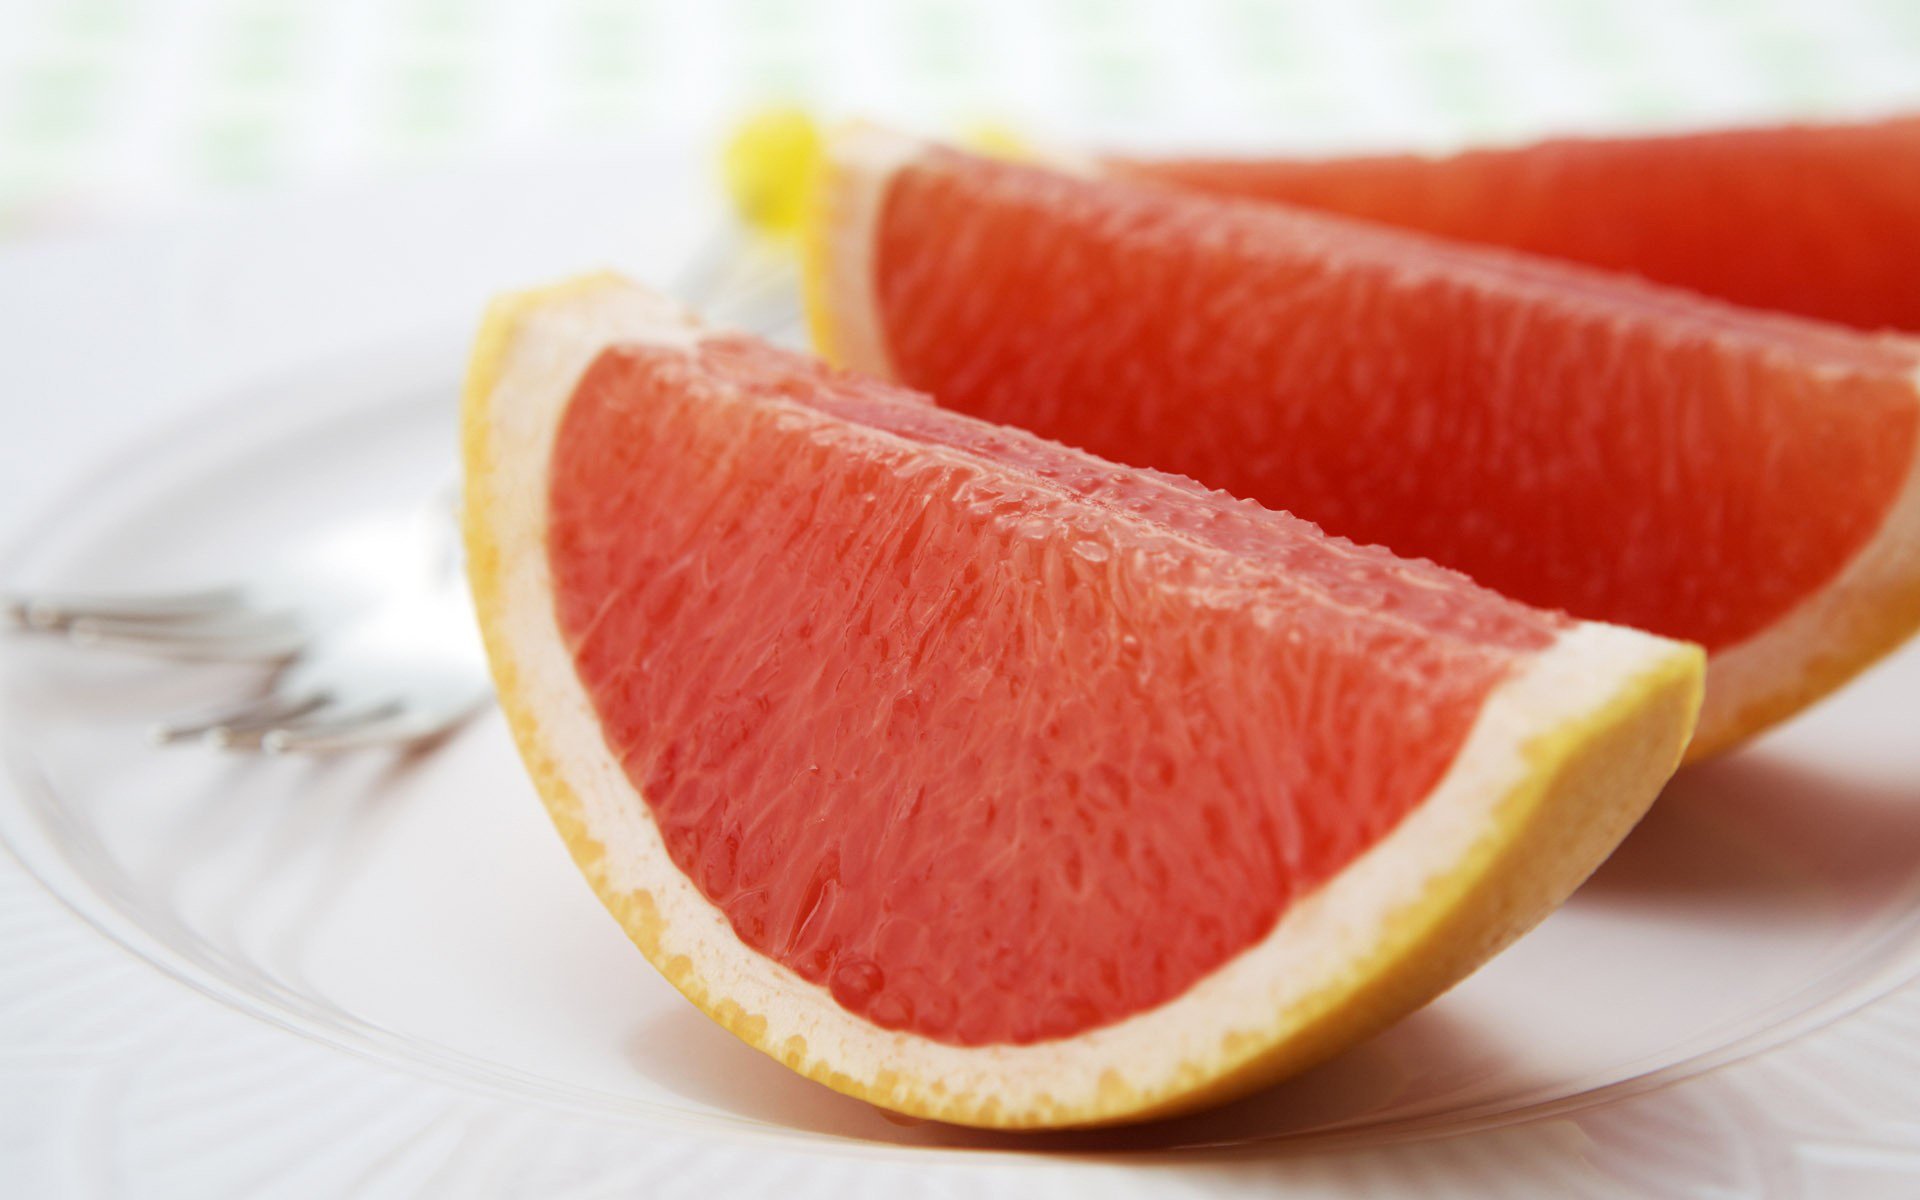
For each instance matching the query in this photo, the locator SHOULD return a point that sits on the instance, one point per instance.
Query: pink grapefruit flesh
(993, 781)
(1573, 438)
(973, 645)
(1819, 220)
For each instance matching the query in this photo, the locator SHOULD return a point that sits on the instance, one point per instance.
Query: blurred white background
(111, 107)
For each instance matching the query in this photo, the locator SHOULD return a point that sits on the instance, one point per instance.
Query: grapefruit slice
(991, 782)
(1574, 438)
(1823, 221)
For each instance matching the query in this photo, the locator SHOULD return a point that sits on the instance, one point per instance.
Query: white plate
(423, 912)
(424, 916)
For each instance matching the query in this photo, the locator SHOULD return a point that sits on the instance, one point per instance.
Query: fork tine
(52, 612)
(259, 735)
(247, 639)
(259, 713)
(365, 727)
(394, 731)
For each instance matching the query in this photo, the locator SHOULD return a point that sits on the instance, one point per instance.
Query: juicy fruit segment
(859, 715)
(1013, 743)
(1823, 221)
(1572, 438)
(1328, 369)
(1401, 395)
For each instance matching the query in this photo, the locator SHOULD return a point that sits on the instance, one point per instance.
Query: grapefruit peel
(1562, 761)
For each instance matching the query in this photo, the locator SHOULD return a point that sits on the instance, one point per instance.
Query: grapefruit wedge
(992, 782)
(1819, 220)
(1574, 438)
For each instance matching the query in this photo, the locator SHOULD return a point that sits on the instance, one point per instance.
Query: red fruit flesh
(1823, 221)
(1569, 437)
(995, 740)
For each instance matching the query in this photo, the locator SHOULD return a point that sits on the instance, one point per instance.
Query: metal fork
(367, 629)
(406, 671)
(315, 585)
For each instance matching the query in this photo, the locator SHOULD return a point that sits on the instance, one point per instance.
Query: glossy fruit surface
(1573, 438)
(1819, 220)
(991, 781)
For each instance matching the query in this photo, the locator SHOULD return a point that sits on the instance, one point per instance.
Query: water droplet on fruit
(1093, 551)
(855, 982)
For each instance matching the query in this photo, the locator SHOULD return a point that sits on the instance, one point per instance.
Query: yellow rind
(819, 223)
(1587, 783)
(822, 209)
(767, 164)
(1871, 628)
(1871, 625)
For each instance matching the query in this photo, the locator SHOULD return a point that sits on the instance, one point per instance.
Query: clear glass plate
(421, 911)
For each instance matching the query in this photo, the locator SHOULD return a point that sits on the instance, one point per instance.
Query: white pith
(1876, 580)
(1760, 674)
(871, 154)
(1319, 942)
